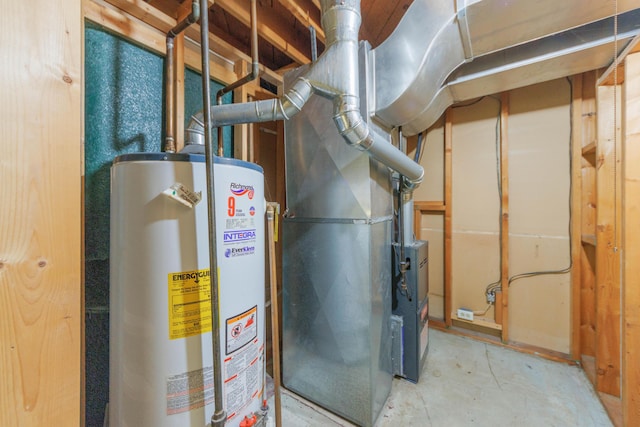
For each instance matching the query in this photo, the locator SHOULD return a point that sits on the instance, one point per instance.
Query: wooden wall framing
(631, 243)
(41, 289)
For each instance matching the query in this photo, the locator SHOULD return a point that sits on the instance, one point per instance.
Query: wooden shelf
(589, 239)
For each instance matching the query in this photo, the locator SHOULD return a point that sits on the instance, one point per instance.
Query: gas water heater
(161, 369)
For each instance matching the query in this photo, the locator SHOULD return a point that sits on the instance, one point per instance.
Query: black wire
(571, 188)
(470, 103)
(493, 287)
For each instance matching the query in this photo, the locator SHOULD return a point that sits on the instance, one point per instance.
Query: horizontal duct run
(489, 46)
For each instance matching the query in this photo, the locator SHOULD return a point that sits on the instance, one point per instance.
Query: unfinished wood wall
(40, 213)
(537, 170)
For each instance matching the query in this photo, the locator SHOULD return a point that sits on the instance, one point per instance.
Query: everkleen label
(189, 303)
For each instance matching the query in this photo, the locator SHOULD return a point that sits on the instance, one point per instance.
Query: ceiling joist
(267, 30)
(304, 17)
(162, 22)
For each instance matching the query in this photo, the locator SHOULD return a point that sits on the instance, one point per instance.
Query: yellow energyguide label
(189, 303)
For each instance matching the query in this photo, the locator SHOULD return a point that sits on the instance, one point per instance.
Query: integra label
(234, 236)
(234, 252)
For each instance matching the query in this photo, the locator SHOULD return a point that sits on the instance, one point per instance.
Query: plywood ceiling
(284, 36)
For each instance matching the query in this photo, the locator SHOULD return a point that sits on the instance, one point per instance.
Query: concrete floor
(469, 383)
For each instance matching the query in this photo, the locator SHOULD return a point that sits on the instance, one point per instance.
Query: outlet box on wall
(465, 313)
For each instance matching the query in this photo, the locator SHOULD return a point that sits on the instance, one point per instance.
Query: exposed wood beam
(576, 212)
(304, 17)
(448, 224)
(631, 267)
(587, 125)
(504, 230)
(608, 241)
(240, 11)
(615, 73)
(163, 23)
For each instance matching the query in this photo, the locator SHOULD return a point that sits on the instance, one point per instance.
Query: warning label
(241, 329)
(189, 390)
(243, 378)
(189, 303)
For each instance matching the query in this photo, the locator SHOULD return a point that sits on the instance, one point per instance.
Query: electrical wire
(469, 104)
(570, 224)
(497, 285)
(482, 313)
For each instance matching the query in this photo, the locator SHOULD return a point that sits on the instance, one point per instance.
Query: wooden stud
(241, 131)
(178, 84)
(41, 314)
(504, 238)
(136, 20)
(304, 17)
(608, 241)
(267, 30)
(631, 236)
(588, 217)
(576, 213)
(448, 225)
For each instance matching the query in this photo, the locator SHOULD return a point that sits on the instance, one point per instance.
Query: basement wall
(539, 172)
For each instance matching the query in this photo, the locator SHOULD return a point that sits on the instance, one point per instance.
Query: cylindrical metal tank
(161, 371)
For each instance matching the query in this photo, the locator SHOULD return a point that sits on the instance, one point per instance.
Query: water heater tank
(161, 370)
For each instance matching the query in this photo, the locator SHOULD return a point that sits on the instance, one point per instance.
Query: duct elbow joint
(293, 101)
(255, 70)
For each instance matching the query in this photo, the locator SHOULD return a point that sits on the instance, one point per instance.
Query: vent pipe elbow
(251, 112)
(356, 133)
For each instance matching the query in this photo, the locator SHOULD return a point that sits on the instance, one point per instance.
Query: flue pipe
(334, 76)
(169, 140)
(219, 416)
(253, 74)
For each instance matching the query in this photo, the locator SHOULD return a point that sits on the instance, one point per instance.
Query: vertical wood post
(178, 84)
(448, 226)
(504, 237)
(608, 242)
(588, 216)
(241, 132)
(631, 236)
(576, 213)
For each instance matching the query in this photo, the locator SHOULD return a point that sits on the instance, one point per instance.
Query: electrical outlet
(491, 297)
(466, 314)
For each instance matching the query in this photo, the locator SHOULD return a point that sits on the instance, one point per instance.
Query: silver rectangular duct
(336, 272)
(444, 51)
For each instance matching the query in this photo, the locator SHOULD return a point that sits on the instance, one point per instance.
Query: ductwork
(445, 51)
(334, 76)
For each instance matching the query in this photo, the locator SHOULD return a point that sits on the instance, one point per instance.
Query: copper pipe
(169, 139)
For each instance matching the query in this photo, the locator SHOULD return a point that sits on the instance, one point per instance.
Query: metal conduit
(219, 416)
(169, 141)
(335, 76)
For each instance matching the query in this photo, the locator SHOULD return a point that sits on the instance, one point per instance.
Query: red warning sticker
(241, 329)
